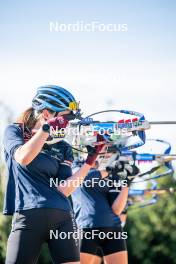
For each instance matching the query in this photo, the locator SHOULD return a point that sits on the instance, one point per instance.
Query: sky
(133, 69)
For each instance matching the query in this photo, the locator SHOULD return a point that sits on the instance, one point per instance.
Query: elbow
(116, 211)
(21, 158)
(67, 194)
(64, 191)
(23, 161)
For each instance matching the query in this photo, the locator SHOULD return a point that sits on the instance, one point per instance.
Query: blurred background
(125, 69)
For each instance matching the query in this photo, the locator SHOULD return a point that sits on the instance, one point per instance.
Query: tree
(152, 230)
(5, 222)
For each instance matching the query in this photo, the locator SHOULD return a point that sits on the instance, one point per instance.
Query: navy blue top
(29, 186)
(91, 205)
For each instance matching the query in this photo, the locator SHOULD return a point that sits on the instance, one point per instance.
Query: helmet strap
(37, 114)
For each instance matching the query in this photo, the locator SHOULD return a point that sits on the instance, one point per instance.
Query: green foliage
(5, 225)
(45, 257)
(5, 222)
(152, 230)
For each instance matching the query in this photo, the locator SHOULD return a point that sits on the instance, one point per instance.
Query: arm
(104, 174)
(120, 202)
(27, 152)
(75, 180)
(78, 177)
(123, 171)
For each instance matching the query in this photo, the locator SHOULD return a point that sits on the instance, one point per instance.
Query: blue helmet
(54, 98)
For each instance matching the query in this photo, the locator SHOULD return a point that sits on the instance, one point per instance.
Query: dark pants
(31, 228)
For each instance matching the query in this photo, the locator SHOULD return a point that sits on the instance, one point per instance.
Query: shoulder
(64, 144)
(13, 130)
(66, 150)
(94, 173)
(15, 127)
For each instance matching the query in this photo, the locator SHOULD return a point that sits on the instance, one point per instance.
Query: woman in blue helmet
(37, 207)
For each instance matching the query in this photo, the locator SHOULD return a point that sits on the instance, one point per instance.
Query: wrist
(91, 159)
(46, 128)
(125, 188)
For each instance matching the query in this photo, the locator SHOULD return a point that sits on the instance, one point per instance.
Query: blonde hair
(28, 118)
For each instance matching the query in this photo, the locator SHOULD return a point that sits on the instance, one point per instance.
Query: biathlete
(97, 215)
(38, 208)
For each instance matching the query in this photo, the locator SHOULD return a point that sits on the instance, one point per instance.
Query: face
(48, 115)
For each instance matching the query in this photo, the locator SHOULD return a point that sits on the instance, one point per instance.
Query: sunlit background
(133, 69)
(118, 70)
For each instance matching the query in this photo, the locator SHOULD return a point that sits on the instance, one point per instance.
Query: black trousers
(113, 240)
(31, 228)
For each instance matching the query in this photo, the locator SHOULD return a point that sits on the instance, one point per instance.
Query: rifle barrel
(162, 123)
